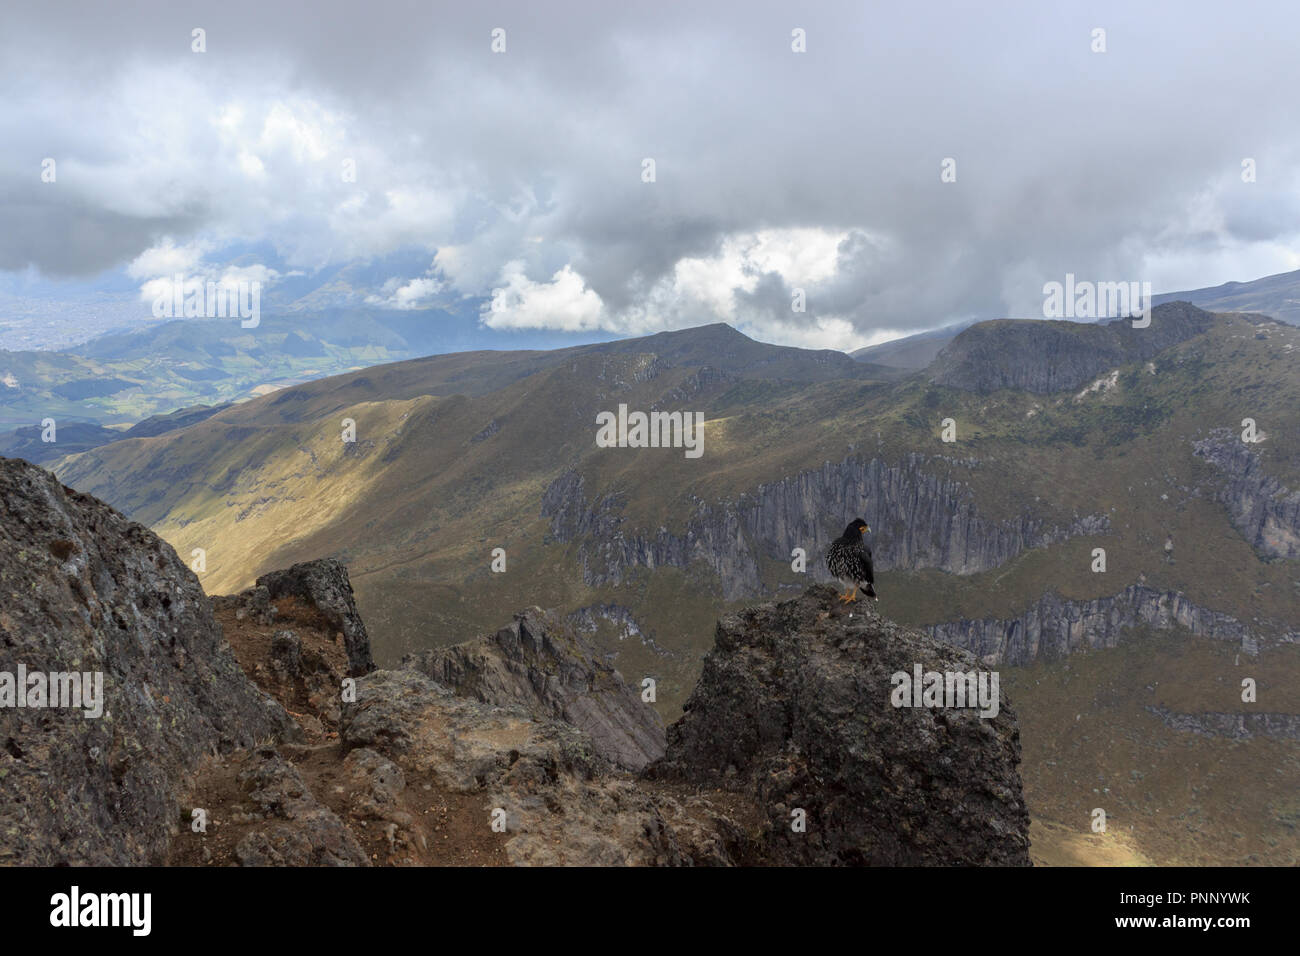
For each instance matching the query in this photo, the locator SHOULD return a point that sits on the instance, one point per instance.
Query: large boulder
(544, 665)
(324, 584)
(794, 710)
(84, 590)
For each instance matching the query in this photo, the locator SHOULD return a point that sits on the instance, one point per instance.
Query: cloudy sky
(518, 176)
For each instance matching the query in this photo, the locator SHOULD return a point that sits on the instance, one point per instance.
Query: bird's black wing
(863, 566)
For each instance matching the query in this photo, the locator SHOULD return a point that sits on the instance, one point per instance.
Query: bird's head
(857, 529)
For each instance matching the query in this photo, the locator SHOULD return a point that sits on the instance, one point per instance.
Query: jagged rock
(943, 528)
(545, 666)
(299, 831)
(794, 708)
(1265, 512)
(922, 513)
(782, 719)
(563, 803)
(83, 589)
(431, 731)
(1053, 627)
(252, 603)
(324, 584)
(1046, 356)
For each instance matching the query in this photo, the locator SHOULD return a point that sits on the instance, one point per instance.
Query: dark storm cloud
(1118, 165)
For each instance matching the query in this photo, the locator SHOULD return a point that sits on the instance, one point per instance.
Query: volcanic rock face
(545, 666)
(1265, 512)
(794, 709)
(324, 584)
(85, 590)
(1053, 627)
(943, 529)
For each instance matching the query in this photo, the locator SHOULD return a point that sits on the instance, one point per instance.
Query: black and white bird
(849, 559)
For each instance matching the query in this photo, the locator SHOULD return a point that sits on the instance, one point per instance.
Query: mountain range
(995, 479)
(321, 325)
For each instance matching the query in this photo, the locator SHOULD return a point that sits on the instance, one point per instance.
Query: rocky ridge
(545, 666)
(490, 764)
(1045, 356)
(1053, 627)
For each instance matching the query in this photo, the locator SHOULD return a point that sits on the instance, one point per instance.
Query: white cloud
(166, 258)
(698, 290)
(564, 303)
(771, 176)
(192, 270)
(415, 294)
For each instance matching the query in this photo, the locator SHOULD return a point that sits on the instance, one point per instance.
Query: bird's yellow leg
(846, 598)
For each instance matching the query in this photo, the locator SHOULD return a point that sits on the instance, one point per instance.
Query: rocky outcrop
(517, 753)
(1045, 356)
(325, 585)
(700, 382)
(942, 527)
(545, 666)
(794, 710)
(252, 603)
(86, 591)
(1053, 627)
(558, 802)
(1236, 726)
(1265, 512)
(793, 713)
